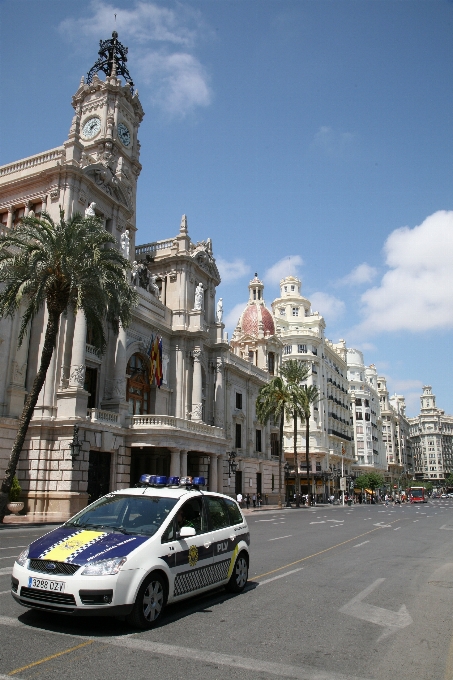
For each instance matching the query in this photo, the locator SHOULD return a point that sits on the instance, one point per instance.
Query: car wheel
(240, 574)
(149, 604)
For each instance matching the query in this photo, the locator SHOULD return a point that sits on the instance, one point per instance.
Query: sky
(311, 137)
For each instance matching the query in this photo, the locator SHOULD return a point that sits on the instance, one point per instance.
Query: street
(334, 593)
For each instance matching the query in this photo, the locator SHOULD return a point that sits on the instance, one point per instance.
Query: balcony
(147, 422)
(97, 415)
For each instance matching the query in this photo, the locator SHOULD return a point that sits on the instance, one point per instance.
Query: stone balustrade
(32, 161)
(155, 421)
(97, 415)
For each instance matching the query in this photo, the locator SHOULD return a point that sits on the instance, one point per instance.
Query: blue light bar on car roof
(199, 481)
(173, 481)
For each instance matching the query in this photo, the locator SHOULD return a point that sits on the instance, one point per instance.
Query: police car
(133, 551)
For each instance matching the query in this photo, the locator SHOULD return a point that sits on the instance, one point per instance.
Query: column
(9, 220)
(175, 463)
(179, 386)
(197, 386)
(213, 472)
(119, 374)
(219, 413)
(220, 460)
(183, 463)
(77, 370)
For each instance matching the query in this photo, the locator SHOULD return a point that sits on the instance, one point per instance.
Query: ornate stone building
(126, 423)
(395, 435)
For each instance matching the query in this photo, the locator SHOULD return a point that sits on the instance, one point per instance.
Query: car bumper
(82, 595)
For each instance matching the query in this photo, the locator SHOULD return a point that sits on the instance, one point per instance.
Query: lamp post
(75, 445)
(286, 469)
(232, 465)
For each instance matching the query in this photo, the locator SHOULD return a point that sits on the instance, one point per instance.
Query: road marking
(396, 528)
(5, 570)
(52, 656)
(264, 520)
(382, 525)
(4, 592)
(233, 661)
(359, 544)
(444, 526)
(321, 552)
(10, 557)
(13, 547)
(336, 520)
(279, 537)
(274, 578)
(321, 522)
(390, 620)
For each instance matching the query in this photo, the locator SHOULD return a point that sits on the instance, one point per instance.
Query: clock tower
(102, 142)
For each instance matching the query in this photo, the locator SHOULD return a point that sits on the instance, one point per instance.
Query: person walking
(247, 501)
(254, 500)
(258, 500)
(239, 499)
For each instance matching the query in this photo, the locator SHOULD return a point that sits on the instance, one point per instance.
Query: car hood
(81, 546)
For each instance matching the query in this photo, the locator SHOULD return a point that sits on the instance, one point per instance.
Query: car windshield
(127, 514)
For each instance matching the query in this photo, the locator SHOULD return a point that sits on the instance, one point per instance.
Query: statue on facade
(135, 272)
(89, 212)
(199, 297)
(153, 287)
(125, 244)
(220, 310)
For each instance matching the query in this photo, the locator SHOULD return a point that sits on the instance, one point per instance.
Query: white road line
(336, 520)
(274, 578)
(359, 544)
(321, 522)
(4, 592)
(264, 520)
(396, 528)
(279, 537)
(5, 570)
(228, 660)
(13, 547)
(10, 557)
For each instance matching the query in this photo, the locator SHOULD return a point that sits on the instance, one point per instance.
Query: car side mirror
(187, 532)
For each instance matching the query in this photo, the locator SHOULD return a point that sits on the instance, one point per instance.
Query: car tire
(238, 579)
(149, 603)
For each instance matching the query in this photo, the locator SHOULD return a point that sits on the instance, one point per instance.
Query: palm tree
(69, 265)
(294, 372)
(271, 401)
(310, 397)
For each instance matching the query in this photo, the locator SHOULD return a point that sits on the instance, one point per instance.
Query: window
(191, 514)
(288, 349)
(238, 442)
(318, 466)
(358, 402)
(273, 483)
(238, 400)
(358, 415)
(295, 311)
(292, 288)
(271, 363)
(359, 429)
(258, 440)
(138, 385)
(302, 349)
(219, 517)
(233, 511)
(274, 445)
(282, 311)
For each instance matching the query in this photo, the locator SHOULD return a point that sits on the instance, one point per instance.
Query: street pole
(342, 471)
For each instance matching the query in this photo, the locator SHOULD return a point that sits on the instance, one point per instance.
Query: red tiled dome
(251, 318)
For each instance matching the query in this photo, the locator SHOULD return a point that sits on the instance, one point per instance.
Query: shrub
(15, 491)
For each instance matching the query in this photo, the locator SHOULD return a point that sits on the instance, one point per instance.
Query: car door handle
(207, 544)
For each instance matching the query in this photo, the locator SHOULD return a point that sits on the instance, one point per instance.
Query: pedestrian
(254, 500)
(247, 501)
(258, 498)
(239, 499)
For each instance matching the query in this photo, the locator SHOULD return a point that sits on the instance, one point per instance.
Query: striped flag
(159, 372)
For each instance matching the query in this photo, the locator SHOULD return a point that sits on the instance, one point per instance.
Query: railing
(155, 421)
(91, 349)
(32, 161)
(96, 415)
(149, 248)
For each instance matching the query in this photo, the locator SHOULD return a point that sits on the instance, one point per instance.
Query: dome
(255, 315)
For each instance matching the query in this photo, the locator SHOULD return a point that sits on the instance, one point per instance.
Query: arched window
(138, 385)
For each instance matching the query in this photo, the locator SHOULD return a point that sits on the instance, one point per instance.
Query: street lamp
(232, 465)
(286, 469)
(75, 445)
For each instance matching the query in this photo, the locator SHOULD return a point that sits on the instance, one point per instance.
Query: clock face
(91, 127)
(124, 134)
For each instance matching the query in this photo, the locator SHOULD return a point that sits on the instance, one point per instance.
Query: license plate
(45, 584)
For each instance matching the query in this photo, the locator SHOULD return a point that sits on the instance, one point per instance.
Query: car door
(189, 559)
(222, 534)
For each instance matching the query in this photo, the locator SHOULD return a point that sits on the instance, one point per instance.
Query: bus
(417, 494)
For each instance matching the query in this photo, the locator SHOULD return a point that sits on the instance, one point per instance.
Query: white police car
(134, 550)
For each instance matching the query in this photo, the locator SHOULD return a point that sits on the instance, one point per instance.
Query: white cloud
(230, 320)
(330, 307)
(231, 271)
(332, 142)
(177, 80)
(363, 273)
(416, 293)
(284, 267)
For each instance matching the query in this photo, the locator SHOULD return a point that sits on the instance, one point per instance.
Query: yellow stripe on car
(233, 560)
(74, 544)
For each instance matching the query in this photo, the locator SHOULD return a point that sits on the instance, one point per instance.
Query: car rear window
(233, 511)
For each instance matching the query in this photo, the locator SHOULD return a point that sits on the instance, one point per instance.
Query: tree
(449, 480)
(294, 372)
(271, 401)
(311, 396)
(67, 266)
(375, 480)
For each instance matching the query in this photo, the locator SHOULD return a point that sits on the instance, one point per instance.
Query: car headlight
(104, 567)
(23, 558)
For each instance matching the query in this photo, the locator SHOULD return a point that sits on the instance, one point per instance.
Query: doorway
(98, 474)
(238, 482)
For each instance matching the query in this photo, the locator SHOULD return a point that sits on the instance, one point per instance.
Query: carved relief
(197, 411)
(54, 194)
(19, 373)
(77, 376)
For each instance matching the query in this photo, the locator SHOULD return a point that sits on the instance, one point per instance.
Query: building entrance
(98, 474)
(151, 460)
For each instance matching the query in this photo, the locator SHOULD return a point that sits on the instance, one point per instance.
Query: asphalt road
(363, 592)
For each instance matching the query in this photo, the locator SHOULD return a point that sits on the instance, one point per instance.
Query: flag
(150, 354)
(154, 360)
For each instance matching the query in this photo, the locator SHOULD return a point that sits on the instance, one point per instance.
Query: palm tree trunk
(29, 406)
(307, 450)
(296, 466)
(280, 459)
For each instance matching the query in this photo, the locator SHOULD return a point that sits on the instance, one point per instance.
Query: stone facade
(395, 435)
(127, 424)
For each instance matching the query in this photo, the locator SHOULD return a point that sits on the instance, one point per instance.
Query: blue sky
(312, 137)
